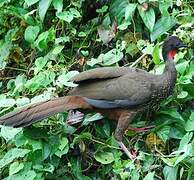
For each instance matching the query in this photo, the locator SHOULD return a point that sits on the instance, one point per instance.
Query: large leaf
(148, 17)
(164, 6)
(104, 157)
(19, 84)
(40, 63)
(43, 79)
(43, 7)
(26, 174)
(129, 11)
(4, 53)
(111, 57)
(64, 79)
(156, 54)
(162, 25)
(15, 167)
(173, 113)
(31, 33)
(182, 95)
(170, 173)
(48, 168)
(117, 9)
(184, 151)
(66, 16)
(6, 44)
(189, 126)
(69, 15)
(42, 41)
(81, 137)
(181, 67)
(7, 102)
(91, 118)
(58, 5)
(11, 155)
(185, 140)
(149, 176)
(163, 133)
(9, 133)
(63, 147)
(22, 101)
(57, 49)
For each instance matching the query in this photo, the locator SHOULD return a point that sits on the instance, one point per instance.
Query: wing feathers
(105, 104)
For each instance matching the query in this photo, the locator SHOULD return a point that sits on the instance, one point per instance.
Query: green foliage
(45, 43)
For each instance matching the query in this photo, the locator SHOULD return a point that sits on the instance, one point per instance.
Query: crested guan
(116, 92)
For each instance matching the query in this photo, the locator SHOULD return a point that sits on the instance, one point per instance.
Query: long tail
(36, 112)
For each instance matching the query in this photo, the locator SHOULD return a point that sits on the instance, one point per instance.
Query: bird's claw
(132, 155)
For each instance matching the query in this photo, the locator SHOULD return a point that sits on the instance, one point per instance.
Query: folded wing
(114, 87)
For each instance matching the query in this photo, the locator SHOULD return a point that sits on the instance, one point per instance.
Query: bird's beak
(181, 45)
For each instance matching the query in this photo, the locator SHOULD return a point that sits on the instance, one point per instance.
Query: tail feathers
(36, 112)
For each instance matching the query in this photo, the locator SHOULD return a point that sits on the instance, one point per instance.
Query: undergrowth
(45, 43)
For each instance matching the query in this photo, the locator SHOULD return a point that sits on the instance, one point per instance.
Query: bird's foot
(139, 130)
(132, 155)
(74, 117)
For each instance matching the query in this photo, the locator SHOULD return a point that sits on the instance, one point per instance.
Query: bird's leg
(139, 130)
(123, 123)
(74, 117)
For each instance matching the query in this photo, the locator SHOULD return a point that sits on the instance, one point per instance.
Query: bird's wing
(127, 91)
(102, 74)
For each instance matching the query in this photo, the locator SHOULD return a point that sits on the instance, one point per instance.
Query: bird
(119, 93)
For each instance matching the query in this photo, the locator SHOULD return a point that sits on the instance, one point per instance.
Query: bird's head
(171, 46)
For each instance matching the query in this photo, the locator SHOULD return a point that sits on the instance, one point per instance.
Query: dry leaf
(154, 143)
(106, 35)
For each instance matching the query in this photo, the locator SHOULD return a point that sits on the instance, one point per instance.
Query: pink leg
(123, 122)
(130, 155)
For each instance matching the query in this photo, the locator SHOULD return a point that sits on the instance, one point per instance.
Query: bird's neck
(170, 68)
(170, 74)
